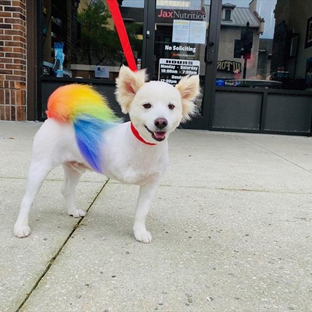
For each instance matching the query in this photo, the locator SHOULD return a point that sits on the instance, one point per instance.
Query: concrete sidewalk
(231, 225)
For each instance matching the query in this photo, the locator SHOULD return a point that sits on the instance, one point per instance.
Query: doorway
(181, 39)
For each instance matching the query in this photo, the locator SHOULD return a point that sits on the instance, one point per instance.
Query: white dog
(134, 152)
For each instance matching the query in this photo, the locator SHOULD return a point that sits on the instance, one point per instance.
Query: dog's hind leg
(72, 172)
(37, 172)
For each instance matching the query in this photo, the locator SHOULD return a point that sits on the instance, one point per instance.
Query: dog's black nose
(161, 123)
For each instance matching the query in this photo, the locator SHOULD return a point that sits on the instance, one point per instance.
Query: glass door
(180, 39)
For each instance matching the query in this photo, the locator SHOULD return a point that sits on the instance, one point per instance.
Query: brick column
(13, 59)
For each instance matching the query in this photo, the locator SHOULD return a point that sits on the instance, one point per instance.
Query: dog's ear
(188, 86)
(128, 83)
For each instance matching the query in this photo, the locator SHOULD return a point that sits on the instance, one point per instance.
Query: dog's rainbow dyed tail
(90, 115)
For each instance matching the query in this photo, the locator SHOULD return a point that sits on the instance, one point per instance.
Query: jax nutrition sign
(172, 70)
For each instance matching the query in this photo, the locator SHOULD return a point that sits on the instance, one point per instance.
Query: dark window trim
(32, 61)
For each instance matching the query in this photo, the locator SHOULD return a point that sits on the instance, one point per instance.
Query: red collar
(137, 135)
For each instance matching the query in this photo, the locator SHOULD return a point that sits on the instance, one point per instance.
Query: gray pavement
(231, 225)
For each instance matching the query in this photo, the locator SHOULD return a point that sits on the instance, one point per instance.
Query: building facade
(254, 57)
(13, 62)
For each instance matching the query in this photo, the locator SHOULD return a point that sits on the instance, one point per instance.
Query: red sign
(165, 15)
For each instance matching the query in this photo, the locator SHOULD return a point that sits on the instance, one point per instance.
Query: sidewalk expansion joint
(52, 260)
(276, 154)
(238, 189)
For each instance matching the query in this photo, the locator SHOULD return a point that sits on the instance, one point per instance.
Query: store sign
(165, 15)
(172, 70)
(229, 66)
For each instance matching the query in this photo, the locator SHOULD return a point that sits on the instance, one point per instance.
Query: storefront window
(80, 41)
(265, 44)
(253, 57)
(261, 43)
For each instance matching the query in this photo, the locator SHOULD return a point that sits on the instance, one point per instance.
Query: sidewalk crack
(52, 260)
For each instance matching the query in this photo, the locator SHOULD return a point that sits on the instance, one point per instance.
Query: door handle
(208, 51)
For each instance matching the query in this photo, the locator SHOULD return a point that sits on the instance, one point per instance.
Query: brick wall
(12, 59)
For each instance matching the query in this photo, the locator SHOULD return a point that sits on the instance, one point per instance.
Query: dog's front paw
(77, 213)
(21, 230)
(143, 236)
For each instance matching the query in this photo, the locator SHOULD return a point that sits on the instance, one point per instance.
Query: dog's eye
(171, 106)
(147, 105)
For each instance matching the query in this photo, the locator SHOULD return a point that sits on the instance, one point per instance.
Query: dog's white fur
(124, 157)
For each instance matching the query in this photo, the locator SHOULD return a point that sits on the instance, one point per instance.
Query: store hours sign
(172, 70)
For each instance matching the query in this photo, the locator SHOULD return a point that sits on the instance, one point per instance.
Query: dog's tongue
(160, 135)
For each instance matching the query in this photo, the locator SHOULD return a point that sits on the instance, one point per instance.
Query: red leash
(126, 47)
(122, 33)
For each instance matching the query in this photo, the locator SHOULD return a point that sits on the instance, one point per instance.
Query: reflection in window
(80, 41)
(227, 15)
(275, 54)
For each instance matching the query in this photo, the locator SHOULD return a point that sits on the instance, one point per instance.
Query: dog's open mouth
(157, 135)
